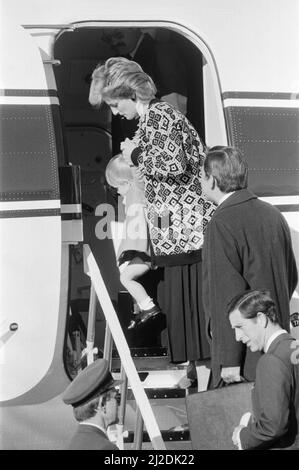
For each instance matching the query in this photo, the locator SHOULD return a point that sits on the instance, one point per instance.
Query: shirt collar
(272, 338)
(225, 197)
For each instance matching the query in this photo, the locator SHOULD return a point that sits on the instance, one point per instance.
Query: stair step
(158, 393)
(167, 435)
(158, 379)
(144, 352)
(149, 363)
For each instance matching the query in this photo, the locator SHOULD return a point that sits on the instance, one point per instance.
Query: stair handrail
(91, 268)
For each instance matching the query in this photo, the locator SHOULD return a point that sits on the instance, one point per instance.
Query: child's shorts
(134, 257)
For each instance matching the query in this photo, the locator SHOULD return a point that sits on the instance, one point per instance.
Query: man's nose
(114, 111)
(238, 335)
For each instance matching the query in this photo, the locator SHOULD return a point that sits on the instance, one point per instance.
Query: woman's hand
(139, 174)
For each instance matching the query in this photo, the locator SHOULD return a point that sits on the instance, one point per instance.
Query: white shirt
(225, 197)
(272, 338)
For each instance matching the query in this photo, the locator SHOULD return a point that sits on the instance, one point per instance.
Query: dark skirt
(180, 298)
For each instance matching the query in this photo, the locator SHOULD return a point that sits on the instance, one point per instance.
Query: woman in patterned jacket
(169, 154)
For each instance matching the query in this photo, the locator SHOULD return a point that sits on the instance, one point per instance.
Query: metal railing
(144, 412)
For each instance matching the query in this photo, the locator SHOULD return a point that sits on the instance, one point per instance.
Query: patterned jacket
(170, 154)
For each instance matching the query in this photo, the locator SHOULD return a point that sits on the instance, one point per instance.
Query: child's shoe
(145, 315)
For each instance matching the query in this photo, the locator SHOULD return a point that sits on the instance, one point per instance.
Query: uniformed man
(93, 397)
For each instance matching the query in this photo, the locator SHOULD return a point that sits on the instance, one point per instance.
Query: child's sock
(146, 304)
(136, 308)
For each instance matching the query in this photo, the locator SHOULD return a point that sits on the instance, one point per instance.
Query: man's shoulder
(279, 353)
(240, 199)
(221, 218)
(90, 438)
(266, 206)
(283, 346)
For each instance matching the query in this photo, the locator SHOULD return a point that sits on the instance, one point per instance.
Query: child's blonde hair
(118, 171)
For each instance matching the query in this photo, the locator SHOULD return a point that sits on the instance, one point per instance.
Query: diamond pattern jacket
(170, 155)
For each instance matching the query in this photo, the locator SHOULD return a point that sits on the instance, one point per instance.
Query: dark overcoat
(89, 437)
(247, 245)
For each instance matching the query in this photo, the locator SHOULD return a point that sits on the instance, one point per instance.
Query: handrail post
(91, 325)
(108, 343)
(138, 433)
(122, 410)
(115, 333)
(123, 400)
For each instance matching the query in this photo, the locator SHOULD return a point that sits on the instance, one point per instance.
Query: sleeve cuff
(135, 154)
(239, 440)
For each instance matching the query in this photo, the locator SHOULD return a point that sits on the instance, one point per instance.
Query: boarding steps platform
(162, 382)
(151, 395)
(159, 377)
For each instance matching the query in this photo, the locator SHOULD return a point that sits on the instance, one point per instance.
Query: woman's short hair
(118, 171)
(250, 302)
(228, 167)
(120, 78)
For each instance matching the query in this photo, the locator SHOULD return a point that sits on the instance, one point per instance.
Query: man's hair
(228, 167)
(118, 171)
(120, 78)
(88, 410)
(250, 302)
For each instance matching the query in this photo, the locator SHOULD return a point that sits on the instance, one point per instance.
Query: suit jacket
(247, 245)
(90, 438)
(275, 399)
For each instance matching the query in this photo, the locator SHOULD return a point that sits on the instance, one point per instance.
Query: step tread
(159, 378)
(167, 435)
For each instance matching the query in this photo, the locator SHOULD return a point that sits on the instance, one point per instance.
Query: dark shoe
(132, 324)
(145, 315)
(135, 321)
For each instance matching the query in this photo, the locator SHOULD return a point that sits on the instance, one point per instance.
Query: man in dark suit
(93, 397)
(247, 245)
(274, 423)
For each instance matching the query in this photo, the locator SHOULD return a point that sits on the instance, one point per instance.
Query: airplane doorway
(89, 140)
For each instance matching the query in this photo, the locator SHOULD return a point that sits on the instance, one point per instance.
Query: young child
(133, 254)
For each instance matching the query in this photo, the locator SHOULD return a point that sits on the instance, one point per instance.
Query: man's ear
(103, 405)
(212, 181)
(262, 319)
